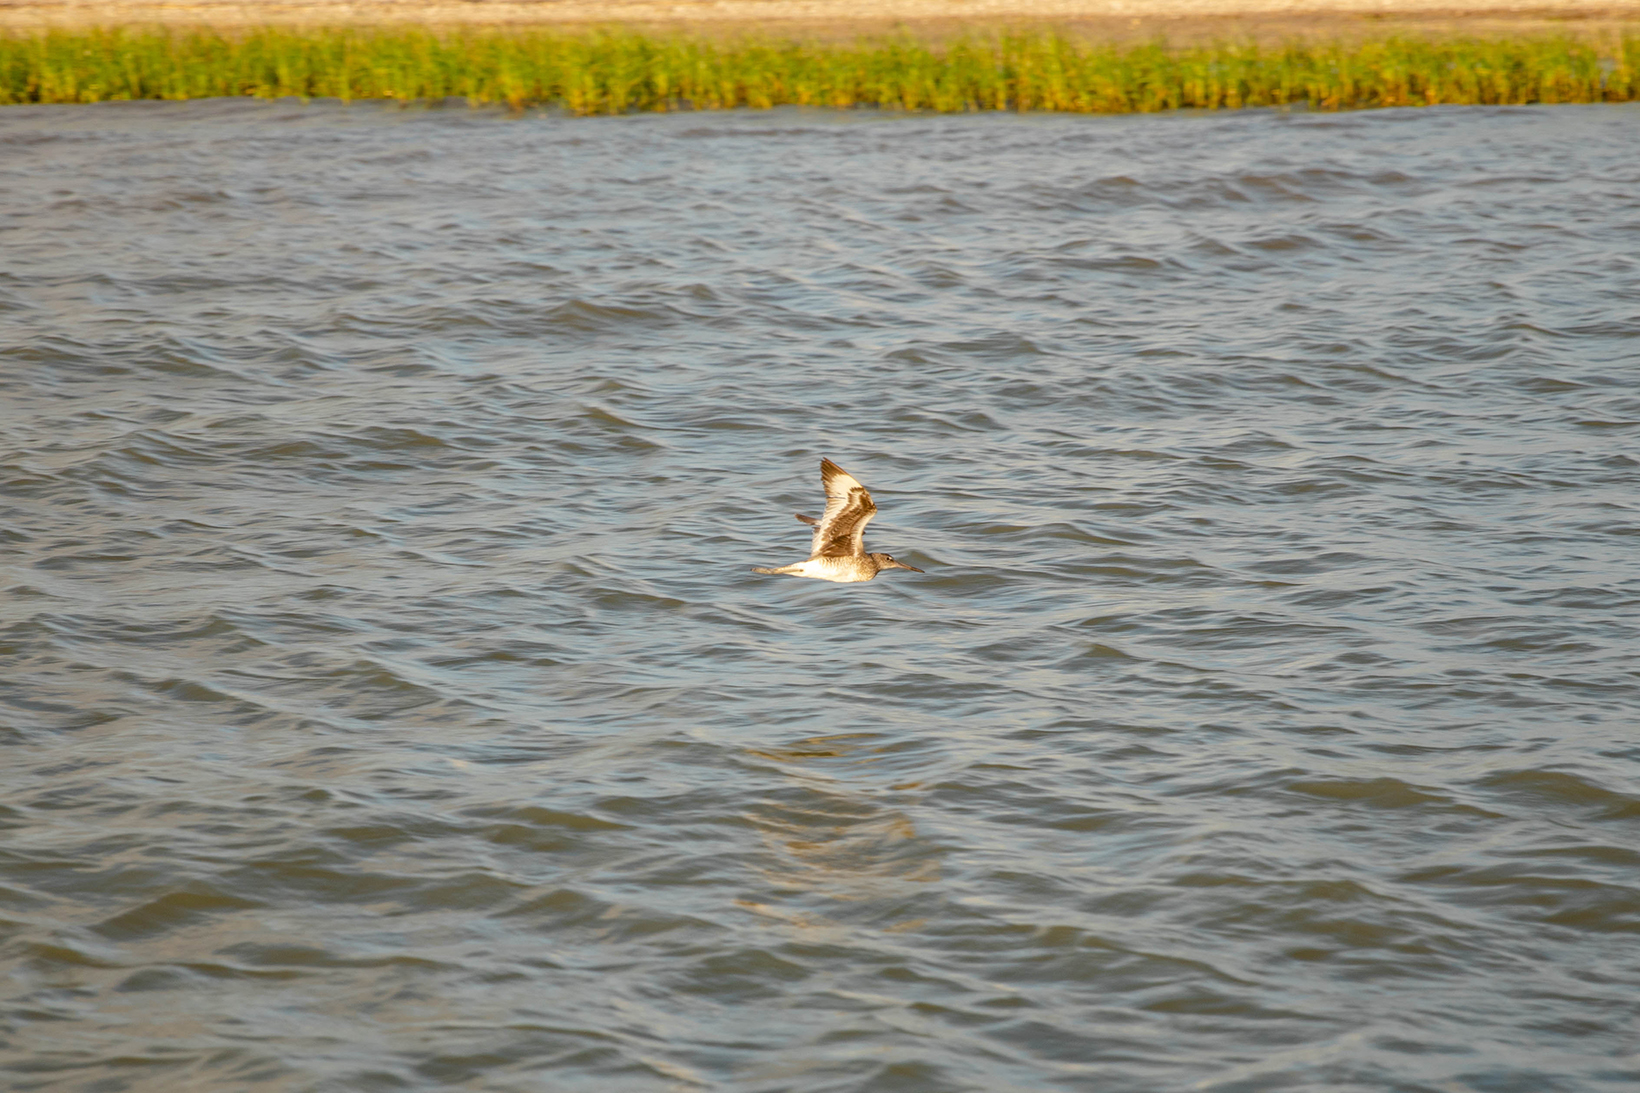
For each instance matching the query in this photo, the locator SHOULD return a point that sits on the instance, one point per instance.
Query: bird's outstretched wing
(841, 530)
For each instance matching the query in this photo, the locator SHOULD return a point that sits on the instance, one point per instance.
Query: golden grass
(615, 71)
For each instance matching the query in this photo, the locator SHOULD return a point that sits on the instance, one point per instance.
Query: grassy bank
(614, 72)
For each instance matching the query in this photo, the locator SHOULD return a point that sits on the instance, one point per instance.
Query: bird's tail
(776, 572)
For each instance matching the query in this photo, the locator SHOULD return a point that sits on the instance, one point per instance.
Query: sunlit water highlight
(388, 704)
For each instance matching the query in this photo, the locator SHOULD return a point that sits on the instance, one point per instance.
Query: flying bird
(837, 552)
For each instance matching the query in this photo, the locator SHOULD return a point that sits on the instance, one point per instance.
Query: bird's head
(886, 561)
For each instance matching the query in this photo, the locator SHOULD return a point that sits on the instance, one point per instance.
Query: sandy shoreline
(1180, 20)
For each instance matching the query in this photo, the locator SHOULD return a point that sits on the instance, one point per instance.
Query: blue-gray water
(387, 703)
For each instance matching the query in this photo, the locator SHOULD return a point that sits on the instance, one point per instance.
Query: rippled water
(389, 705)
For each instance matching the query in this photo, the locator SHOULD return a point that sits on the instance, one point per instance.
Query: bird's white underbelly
(842, 570)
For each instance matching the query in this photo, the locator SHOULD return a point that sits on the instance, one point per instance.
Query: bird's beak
(913, 568)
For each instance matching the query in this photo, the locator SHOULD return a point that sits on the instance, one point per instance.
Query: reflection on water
(825, 840)
(386, 702)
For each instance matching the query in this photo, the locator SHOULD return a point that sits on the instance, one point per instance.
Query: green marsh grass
(614, 71)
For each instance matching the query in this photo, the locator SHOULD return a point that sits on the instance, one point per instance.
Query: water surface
(388, 705)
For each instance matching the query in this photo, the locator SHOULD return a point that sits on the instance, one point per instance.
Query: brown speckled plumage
(837, 550)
